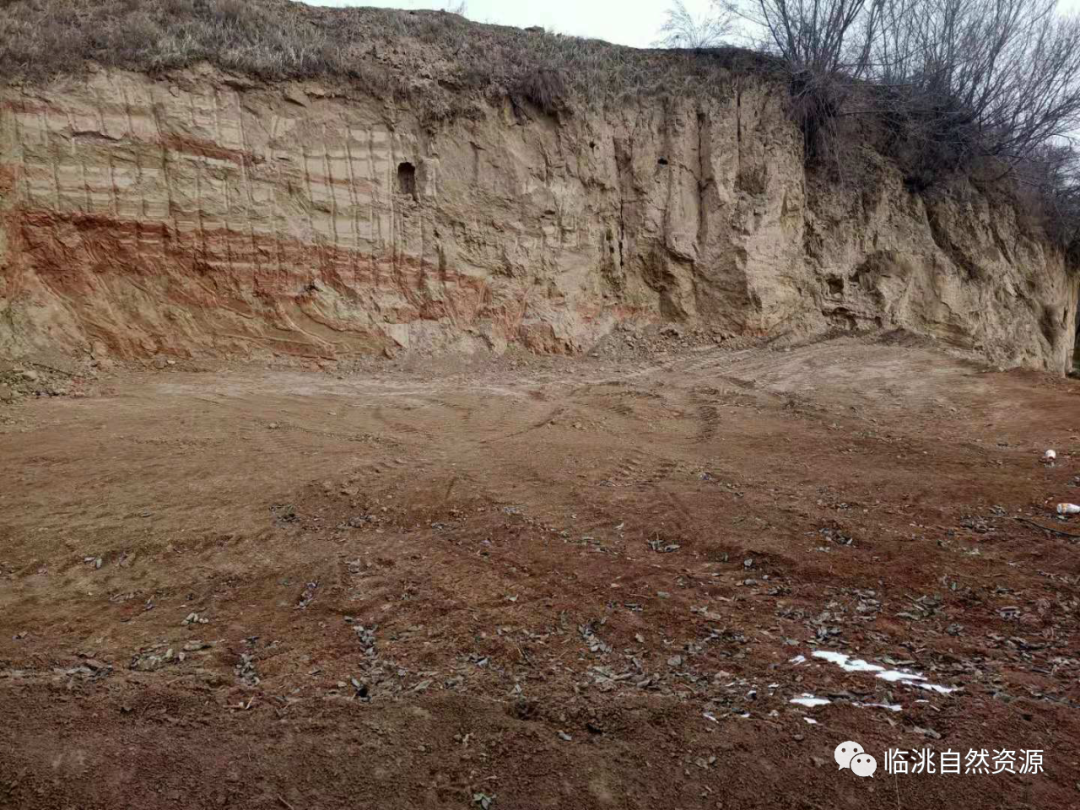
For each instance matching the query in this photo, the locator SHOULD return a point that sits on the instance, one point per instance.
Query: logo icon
(851, 755)
(845, 752)
(863, 765)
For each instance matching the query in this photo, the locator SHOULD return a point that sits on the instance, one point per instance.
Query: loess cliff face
(200, 214)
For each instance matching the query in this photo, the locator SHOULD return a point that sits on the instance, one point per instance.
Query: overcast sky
(627, 22)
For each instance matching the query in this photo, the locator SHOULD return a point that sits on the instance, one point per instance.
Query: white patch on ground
(933, 687)
(849, 664)
(810, 720)
(798, 659)
(892, 707)
(809, 701)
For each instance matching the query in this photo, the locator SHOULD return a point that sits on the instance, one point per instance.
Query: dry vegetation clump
(437, 56)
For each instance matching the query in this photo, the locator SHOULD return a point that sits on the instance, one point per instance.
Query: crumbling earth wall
(201, 214)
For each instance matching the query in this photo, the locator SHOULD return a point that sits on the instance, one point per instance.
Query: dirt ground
(541, 583)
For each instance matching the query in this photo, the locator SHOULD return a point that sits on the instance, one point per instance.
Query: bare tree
(950, 83)
(682, 29)
(952, 79)
(996, 78)
(822, 37)
(1050, 179)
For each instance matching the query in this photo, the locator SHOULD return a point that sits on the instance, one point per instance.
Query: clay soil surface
(541, 583)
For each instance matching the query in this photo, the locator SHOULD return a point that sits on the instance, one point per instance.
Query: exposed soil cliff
(197, 213)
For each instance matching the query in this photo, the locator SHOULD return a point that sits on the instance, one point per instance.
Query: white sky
(626, 22)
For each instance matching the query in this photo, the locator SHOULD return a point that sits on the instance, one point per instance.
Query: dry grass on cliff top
(437, 56)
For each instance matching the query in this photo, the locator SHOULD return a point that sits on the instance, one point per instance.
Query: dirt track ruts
(424, 586)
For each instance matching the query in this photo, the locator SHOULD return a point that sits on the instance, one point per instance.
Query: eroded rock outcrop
(202, 214)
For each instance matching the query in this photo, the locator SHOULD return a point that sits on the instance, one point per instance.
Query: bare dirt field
(541, 583)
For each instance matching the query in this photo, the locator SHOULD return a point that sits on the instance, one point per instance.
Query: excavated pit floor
(565, 583)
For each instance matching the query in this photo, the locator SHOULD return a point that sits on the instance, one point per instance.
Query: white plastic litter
(1050, 456)
(1068, 509)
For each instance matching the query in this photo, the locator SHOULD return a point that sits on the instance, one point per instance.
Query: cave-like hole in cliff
(406, 179)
